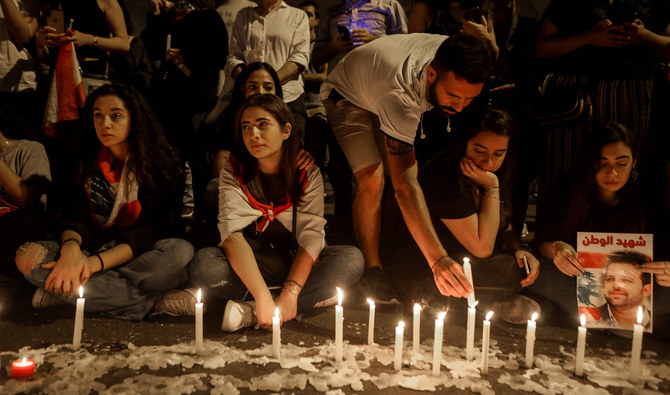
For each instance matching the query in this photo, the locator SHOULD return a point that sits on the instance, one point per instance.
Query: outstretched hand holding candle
(450, 278)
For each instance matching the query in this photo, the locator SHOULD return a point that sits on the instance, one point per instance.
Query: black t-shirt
(576, 16)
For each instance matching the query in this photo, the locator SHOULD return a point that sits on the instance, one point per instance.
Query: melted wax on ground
(61, 370)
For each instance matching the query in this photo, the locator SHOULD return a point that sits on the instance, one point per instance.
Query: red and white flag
(66, 93)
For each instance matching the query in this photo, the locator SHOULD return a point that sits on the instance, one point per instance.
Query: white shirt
(229, 10)
(235, 212)
(388, 78)
(379, 17)
(279, 37)
(18, 70)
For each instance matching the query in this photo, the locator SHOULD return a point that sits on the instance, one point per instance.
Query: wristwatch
(95, 41)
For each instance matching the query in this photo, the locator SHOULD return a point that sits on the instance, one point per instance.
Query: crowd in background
(570, 111)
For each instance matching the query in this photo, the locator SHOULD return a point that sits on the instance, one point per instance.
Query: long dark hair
(150, 157)
(499, 122)
(249, 165)
(584, 197)
(226, 126)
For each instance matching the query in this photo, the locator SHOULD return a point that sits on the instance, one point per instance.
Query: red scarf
(126, 206)
(269, 212)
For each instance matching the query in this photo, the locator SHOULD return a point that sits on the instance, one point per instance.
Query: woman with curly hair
(113, 217)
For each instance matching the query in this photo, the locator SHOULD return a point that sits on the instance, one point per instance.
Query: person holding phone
(354, 23)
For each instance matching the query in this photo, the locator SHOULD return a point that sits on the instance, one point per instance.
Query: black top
(576, 16)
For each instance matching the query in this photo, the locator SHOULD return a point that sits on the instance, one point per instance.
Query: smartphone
(474, 15)
(56, 19)
(344, 31)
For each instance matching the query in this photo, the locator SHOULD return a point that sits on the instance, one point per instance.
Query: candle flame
(198, 296)
(639, 315)
(401, 324)
(277, 312)
(474, 304)
(534, 316)
(466, 260)
(582, 319)
(442, 315)
(24, 360)
(81, 291)
(371, 302)
(417, 308)
(339, 296)
(489, 315)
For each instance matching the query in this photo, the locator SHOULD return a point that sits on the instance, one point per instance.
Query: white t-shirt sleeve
(235, 212)
(299, 52)
(310, 223)
(397, 116)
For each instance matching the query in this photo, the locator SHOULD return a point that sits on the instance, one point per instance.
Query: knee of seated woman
(28, 256)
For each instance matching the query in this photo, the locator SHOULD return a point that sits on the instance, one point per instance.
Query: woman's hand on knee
(67, 272)
(565, 259)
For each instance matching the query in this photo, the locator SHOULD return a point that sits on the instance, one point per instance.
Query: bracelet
(102, 263)
(71, 239)
(292, 287)
(442, 257)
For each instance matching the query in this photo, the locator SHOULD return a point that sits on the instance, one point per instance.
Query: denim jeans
(338, 266)
(128, 291)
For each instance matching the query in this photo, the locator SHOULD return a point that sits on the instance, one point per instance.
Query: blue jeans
(338, 266)
(128, 291)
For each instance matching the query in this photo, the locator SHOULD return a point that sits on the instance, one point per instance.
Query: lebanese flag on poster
(66, 93)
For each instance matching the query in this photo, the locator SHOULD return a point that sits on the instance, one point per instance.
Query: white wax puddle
(61, 370)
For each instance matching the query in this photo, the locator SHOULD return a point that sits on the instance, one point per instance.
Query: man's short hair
(310, 3)
(467, 56)
(634, 258)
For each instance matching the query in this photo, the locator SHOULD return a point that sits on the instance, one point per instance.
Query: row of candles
(24, 368)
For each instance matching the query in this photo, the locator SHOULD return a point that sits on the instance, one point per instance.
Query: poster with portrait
(611, 288)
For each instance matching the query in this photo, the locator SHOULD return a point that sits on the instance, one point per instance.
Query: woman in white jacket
(271, 225)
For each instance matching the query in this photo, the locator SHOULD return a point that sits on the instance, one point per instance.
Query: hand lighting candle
(470, 334)
(437, 343)
(638, 330)
(78, 320)
(276, 335)
(371, 322)
(530, 341)
(198, 323)
(23, 368)
(339, 318)
(486, 337)
(416, 331)
(397, 358)
(581, 346)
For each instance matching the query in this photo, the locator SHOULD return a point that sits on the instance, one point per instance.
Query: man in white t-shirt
(375, 99)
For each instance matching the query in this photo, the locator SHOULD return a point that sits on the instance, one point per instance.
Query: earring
(633, 175)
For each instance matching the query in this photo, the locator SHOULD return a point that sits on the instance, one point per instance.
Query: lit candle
(486, 335)
(276, 334)
(581, 346)
(198, 323)
(530, 340)
(23, 368)
(638, 330)
(437, 344)
(78, 320)
(399, 331)
(416, 331)
(339, 318)
(467, 268)
(371, 322)
(470, 335)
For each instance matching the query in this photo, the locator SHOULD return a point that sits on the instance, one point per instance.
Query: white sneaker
(176, 302)
(238, 315)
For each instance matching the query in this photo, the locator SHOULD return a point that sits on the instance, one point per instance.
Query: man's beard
(444, 111)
